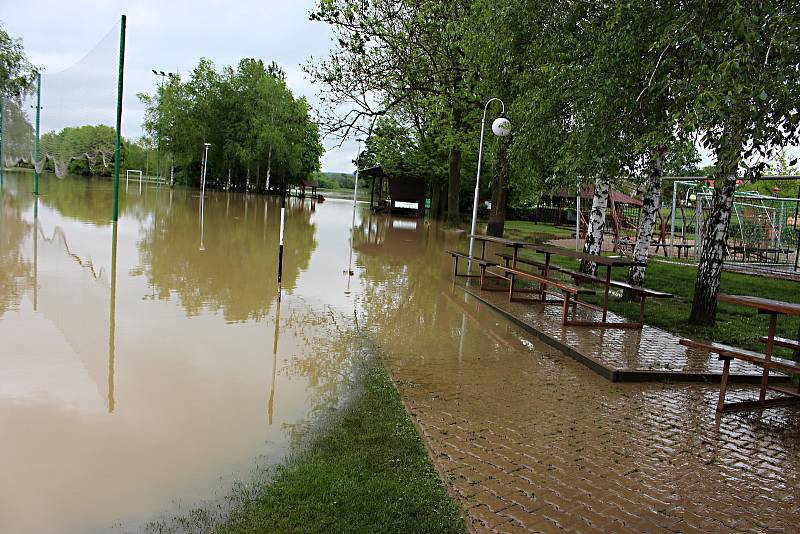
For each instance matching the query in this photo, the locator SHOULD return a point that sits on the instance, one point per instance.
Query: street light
(205, 166)
(163, 75)
(501, 127)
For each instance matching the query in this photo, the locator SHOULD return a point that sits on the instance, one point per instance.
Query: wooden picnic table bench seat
(783, 342)
(568, 290)
(641, 292)
(535, 263)
(482, 264)
(728, 353)
(620, 285)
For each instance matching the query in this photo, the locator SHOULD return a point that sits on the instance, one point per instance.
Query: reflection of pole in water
(274, 358)
(35, 252)
(461, 342)
(112, 319)
(202, 221)
(280, 246)
(353, 223)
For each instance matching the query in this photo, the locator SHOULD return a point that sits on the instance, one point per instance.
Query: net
(77, 112)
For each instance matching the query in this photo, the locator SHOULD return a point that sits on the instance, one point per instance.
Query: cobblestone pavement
(649, 349)
(529, 440)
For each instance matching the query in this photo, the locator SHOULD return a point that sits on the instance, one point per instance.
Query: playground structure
(763, 230)
(622, 214)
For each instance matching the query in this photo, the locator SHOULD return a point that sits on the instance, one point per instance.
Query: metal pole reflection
(274, 358)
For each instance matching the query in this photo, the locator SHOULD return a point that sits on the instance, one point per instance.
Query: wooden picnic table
(608, 261)
(516, 245)
(766, 360)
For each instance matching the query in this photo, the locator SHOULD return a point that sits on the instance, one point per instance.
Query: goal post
(128, 176)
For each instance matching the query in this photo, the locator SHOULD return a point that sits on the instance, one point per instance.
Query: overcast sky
(170, 36)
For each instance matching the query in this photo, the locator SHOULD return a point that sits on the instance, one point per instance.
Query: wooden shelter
(396, 194)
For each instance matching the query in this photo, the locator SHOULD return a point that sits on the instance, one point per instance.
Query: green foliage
(369, 473)
(16, 72)
(249, 116)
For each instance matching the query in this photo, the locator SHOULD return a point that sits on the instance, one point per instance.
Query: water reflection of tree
(237, 270)
(403, 265)
(328, 346)
(16, 273)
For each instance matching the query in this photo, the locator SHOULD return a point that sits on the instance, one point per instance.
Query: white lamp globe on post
(501, 127)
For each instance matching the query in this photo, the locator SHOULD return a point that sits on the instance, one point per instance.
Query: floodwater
(145, 370)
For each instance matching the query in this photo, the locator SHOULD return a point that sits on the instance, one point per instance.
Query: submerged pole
(280, 247)
(117, 142)
(577, 219)
(36, 145)
(112, 319)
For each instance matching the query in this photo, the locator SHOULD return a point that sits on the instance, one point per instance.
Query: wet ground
(127, 393)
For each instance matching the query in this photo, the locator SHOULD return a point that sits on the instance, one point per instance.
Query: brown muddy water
(144, 372)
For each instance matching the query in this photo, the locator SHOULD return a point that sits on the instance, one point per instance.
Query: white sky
(172, 36)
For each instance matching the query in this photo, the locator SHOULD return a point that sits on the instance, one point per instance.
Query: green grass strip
(368, 473)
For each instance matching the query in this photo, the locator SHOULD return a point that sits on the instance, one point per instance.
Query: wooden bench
(728, 353)
(785, 343)
(569, 291)
(641, 292)
(483, 264)
(534, 263)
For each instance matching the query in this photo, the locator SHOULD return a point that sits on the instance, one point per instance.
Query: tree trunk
(453, 186)
(712, 255)
(436, 202)
(597, 221)
(497, 216)
(647, 221)
(269, 166)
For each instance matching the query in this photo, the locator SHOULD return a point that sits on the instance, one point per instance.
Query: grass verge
(368, 473)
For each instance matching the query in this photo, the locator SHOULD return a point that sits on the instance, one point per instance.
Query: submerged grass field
(369, 473)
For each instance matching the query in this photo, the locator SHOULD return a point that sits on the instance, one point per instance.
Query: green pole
(115, 215)
(36, 146)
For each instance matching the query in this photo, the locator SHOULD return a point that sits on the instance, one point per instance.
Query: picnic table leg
(605, 296)
(510, 287)
(723, 384)
(514, 261)
(545, 274)
(455, 271)
(641, 309)
(565, 317)
(773, 319)
(483, 251)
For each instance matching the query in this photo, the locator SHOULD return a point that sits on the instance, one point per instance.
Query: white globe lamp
(501, 126)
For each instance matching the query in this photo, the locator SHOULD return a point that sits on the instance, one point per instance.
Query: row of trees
(597, 92)
(259, 133)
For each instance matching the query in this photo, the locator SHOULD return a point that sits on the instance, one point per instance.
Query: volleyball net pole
(117, 141)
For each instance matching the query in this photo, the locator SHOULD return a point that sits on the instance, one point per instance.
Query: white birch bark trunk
(597, 221)
(651, 201)
(712, 254)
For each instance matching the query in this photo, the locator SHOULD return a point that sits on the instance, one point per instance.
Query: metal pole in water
(123, 20)
(112, 320)
(280, 248)
(36, 146)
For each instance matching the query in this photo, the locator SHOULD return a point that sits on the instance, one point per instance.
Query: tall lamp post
(501, 127)
(205, 166)
(163, 75)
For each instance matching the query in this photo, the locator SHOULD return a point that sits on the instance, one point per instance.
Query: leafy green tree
(16, 72)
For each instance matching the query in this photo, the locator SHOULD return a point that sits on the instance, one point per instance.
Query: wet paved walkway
(530, 440)
(626, 355)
